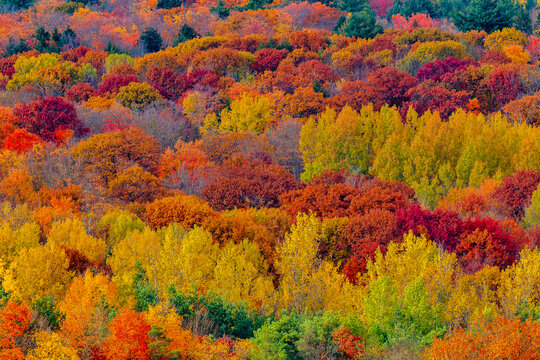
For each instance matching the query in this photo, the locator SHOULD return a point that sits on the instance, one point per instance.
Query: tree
(248, 184)
(186, 210)
(532, 213)
(138, 96)
(515, 192)
(128, 339)
(38, 272)
(49, 345)
(267, 60)
(17, 4)
(186, 33)
(361, 24)
(240, 274)
(221, 10)
(306, 284)
(151, 39)
(352, 6)
(499, 338)
(45, 117)
(408, 8)
(107, 154)
(523, 20)
(169, 4)
(15, 319)
(135, 184)
(488, 15)
(113, 82)
(72, 234)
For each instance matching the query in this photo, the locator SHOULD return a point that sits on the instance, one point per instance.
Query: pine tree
(151, 40)
(408, 7)
(220, 10)
(353, 6)
(186, 33)
(488, 15)
(523, 20)
(361, 24)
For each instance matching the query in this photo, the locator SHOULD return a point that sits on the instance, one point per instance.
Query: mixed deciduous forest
(258, 179)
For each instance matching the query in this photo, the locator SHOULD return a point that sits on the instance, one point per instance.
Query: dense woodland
(247, 179)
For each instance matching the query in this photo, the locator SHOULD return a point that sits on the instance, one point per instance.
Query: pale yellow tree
(138, 247)
(519, 287)
(473, 296)
(307, 283)
(415, 258)
(240, 274)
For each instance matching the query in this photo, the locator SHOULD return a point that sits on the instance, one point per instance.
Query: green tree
(16, 4)
(16, 48)
(220, 10)
(532, 213)
(488, 15)
(169, 4)
(353, 6)
(362, 24)
(408, 7)
(186, 33)
(145, 294)
(151, 40)
(523, 20)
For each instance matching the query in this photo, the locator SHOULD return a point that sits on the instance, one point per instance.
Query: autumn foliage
(246, 179)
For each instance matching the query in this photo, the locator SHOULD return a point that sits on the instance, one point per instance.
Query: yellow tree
(138, 247)
(194, 258)
(50, 346)
(248, 113)
(72, 234)
(14, 239)
(518, 291)
(240, 274)
(37, 272)
(415, 258)
(473, 296)
(307, 283)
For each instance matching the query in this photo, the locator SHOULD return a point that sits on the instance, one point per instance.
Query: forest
(269, 179)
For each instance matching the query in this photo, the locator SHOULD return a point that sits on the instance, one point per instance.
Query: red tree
(45, 116)
(515, 192)
(242, 184)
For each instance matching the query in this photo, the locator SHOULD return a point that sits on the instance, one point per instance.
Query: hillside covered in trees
(257, 179)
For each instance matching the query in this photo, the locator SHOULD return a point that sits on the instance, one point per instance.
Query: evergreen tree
(169, 4)
(488, 15)
(255, 4)
(353, 6)
(151, 40)
(221, 10)
(186, 33)
(42, 37)
(523, 20)
(16, 4)
(145, 294)
(408, 7)
(12, 48)
(361, 24)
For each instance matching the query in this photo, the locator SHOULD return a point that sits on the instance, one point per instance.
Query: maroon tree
(44, 117)
(267, 60)
(515, 192)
